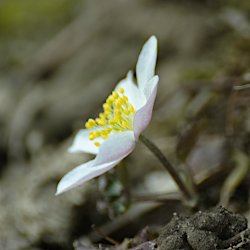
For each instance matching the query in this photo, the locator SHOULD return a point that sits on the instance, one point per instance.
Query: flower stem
(168, 166)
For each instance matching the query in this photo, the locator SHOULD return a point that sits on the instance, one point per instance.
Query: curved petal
(143, 116)
(116, 147)
(82, 143)
(111, 152)
(81, 174)
(135, 96)
(145, 67)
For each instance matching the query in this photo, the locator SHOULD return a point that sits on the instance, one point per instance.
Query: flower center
(117, 116)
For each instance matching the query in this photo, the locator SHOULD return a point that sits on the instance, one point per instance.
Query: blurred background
(59, 61)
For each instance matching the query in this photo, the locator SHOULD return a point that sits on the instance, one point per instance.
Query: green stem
(168, 166)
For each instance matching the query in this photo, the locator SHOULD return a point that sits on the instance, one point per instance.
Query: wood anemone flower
(126, 113)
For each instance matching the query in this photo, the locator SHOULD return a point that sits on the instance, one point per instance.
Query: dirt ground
(60, 60)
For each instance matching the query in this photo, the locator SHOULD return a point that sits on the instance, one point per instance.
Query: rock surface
(214, 229)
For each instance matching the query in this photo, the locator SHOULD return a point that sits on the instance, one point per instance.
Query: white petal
(81, 174)
(145, 68)
(135, 96)
(143, 116)
(151, 86)
(116, 147)
(111, 151)
(82, 143)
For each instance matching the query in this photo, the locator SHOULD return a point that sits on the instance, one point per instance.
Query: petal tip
(59, 189)
(145, 67)
(153, 39)
(58, 192)
(130, 75)
(62, 188)
(152, 43)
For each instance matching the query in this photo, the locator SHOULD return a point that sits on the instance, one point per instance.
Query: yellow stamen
(106, 106)
(118, 105)
(125, 124)
(90, 123)
(117, 116)
(125, 98)
(125, 111)
(131, 108)
(121, 90)
(108, 130)
(100, 122)
(117, 112)
(97, 133)
(115, 94)
(110, 99)
(91, 137)
(102, 116)
(107, 114)
(104, 136)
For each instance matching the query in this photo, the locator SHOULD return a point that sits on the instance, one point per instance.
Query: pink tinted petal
(116, 147)
(145, 67)
(81, 174)
(82, 143)
(135, 96)
(143, 116)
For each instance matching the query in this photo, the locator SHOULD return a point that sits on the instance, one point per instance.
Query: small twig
(107, 238)
(133, 213)
(242, 87)
(164, 197)
(237, 241)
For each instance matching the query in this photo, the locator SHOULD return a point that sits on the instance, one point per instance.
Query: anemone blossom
(126, 113)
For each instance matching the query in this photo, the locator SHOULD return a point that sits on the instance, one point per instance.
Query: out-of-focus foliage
(23, 17)
(26, 24)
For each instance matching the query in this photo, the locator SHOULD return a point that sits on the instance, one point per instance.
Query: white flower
(126, 113)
